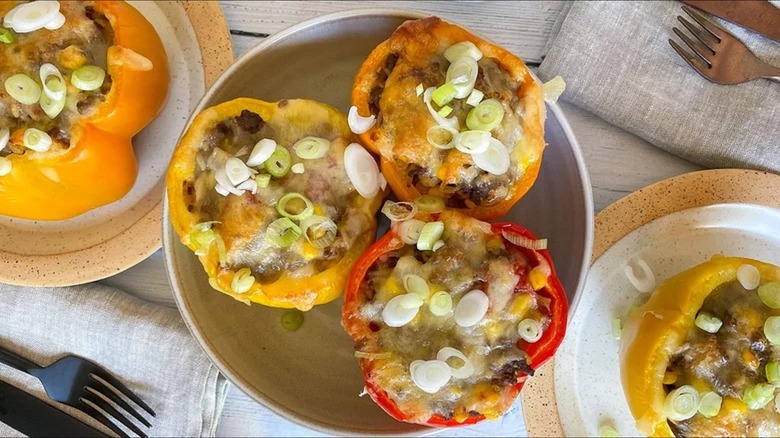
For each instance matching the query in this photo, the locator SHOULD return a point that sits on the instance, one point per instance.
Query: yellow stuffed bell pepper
(260, 192)
(702, 356)
(71, 153)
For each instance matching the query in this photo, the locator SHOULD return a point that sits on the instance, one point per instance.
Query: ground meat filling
(728, 362)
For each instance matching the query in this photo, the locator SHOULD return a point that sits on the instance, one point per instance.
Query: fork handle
(14, 360)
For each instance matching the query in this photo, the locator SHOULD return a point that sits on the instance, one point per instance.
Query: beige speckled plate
(112, 238)
(735, 193)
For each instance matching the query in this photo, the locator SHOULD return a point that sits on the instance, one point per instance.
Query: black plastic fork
(82, 384)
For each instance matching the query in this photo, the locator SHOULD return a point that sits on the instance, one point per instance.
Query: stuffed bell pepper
(78, 79)
(702, 356)
(451, 315)
(275, 199)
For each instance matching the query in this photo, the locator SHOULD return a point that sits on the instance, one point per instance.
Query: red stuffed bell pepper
(447, 337)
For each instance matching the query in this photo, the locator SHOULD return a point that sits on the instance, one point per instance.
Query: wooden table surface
(618, 162)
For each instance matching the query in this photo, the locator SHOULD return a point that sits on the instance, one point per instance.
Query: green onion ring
(306, 211)
(283, 232)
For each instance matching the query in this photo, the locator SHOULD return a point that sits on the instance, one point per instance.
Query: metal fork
(84, 385)
(719, 55)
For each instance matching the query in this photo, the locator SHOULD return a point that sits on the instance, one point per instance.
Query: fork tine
(710, 27)
(105, 406)
(705, 38)
(99, 416)
(113, 381)
(109, 393)
(691, 60)
(697, 48)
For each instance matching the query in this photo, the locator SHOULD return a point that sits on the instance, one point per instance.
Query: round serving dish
(311, 376)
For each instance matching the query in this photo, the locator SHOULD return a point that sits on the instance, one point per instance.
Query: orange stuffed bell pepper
(702, 356)
(71, 99)
(262, 193)
(456, 117)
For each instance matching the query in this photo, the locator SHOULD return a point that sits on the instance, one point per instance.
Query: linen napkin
(618, 64)
(146, 346)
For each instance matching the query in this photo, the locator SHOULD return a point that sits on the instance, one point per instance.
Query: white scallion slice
(772, 329)
(462, 369)
(242, 281)
(430, 375)
(362, 170)
(5, 166)
(241, 152)
(57, 22)
(263, 180)
(23, 89)
(475, 97)
(409, 231)
(53, 83)
(429, 235)
(710, 403)
(249, 185)
(772, 371)
(471, 308)
(708, 323)
(88, 77)
(297, 168)
(645, 282)
(236, 171)
(486, 116)
(320, 231)
(682, 403)
(420, 89)
(438, 245)
(357, 123)
(414, 284)
(495, 159)
(770, 294)
(748, 276)
(758, 396)
(461, 49)
(311, 148)
(5, 135)
(50, 106)
(283, 232)
(530, 330)
(399, 211)
(430, 204)
(451, 122)
(36, 140)
(35, 15)
(295, 206)
(442, 137)
(261, 152)
(525, 242)
(401, 310)
(8, 18)
(553, 89)
(382, 182)
(473, 142)
(224, 183)
(221, 189)
(462, 73)
(440, 303)
(444, 94)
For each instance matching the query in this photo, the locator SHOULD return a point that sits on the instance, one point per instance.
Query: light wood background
(618, 162)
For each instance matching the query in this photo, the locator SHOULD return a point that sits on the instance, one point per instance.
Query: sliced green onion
(475, 97)
(430, 233)
(682, 403)
(242, 281)
(420, 89)
(462, 73)
(88, 77)
(430, 204)
(441, 303)
(444, 95)
(495, 159)
(530, 330)
(708, 323)
(399, 211)
(473, 142)
(438, 245)
(410, 230)
(295, 206)
(283, 232)
(709, 406)
(414, 284)
(617, 328)
(221, 250)
(320, 231)
(485, 116)
(772, 329)
(297, 168)
(279, 163)
(236, 171)
(52, 107)
(442, 137)
(607, 431)
(748, 276)
(759, 395)
(553, 89)
(5, 135)
(6, 36)
(770, 294)
(263, 180)
(445, 111)
(451, 122)
(36, 140)
(202, 236)
(461, 49)
(23, 89)
(311, 148)
(5, 166)
(53, 83)
(773, 373)
(292, 320)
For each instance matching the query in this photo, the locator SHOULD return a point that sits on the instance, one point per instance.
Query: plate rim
(540, 407)
(143, 237)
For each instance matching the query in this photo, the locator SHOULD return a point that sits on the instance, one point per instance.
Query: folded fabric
(146, 346)
(618, 64)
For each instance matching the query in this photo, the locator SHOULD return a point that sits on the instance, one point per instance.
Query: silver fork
(719, 55)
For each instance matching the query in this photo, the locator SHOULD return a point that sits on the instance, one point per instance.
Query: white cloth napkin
(618, 64)
(146, 346)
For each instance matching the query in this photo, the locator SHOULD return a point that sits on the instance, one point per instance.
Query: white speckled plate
(112, 238)
(673, 225)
